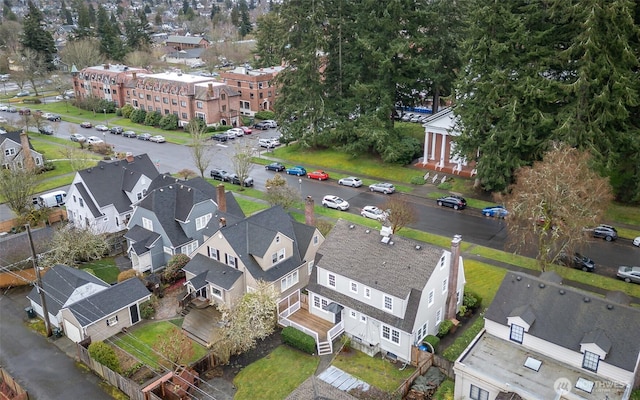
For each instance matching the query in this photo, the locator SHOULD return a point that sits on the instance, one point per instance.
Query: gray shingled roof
(142, 239)
(392, 268)
(102, 304)
(566, 316)
(88, 201)
(185, 39)
(212, 271)
(15, 136)
(108, 181)
(59, 282)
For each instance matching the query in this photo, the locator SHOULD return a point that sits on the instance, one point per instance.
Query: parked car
(46, 130)
(237, 132)
(4, 108)
(407, 117)
(629, 274)
(76, 137)
(85, 124)
(350, 181)
(23, 93)
(262, 125)
(3, 120)
(335, 202)
(374, 212)
(52, 117)
(12, 109)
(319, 175)
(102, 128)
(453, 201)
(219, 174)
(607, 232)
(235, 179)
(495, 211)
(157, 139)
(94, 140)
(129, 134)
(276, 166)
(144, 136)
(117, 130)
(24, 111)
(578, 261)
(271, 123)
(246, 130)
(383, 187)
(636, 241)
(220, 137)
(297, 170)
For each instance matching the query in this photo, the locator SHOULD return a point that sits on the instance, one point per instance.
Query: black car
(46, 130)
(54, 118)
(219, 174)
(577, 261)
(263, 126)
(233, 178)
(276, 166)
(453, 201)
(116, 130)
(220, 137)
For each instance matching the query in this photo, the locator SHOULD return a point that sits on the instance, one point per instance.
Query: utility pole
(34, 261)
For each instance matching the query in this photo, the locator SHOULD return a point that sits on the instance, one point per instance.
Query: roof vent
(352, 226)
(609, 306)
(518, 278)
(102, 167)
(586, 300)
(561, 291)
(541, 285)
(385, 239)
(418, 247)
(367, 231)
(391, 243)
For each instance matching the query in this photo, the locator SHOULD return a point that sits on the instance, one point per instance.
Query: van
(53, 199)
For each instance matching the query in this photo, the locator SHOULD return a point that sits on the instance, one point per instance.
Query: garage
(72, 332)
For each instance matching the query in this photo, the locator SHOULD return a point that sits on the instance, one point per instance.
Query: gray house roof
(142, 239)
(252, 236)
(185, 39)
(109, 180)
(88, 200)
(212, 271)
(395, 268)
(102, 304)
(15, 137)
(569, 317)
(59, 282)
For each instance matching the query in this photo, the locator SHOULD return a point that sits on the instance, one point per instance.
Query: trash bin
(57, 332)
(31, 313)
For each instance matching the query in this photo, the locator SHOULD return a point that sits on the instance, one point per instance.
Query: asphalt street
(42, 369)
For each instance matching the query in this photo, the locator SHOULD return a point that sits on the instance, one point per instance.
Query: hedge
(434, 341)
(105, 355)
(299, 340)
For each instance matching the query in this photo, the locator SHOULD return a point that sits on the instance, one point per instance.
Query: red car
(246, 129)
(319, 175)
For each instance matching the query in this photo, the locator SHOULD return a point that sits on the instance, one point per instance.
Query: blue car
(297, 170)
(495, 211)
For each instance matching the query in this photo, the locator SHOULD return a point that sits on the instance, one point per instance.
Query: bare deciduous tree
(199, 147)
(82, 53)
(281, 194)
(140, 58)
(34, 67)
(72, 245)
(186, 173)
(17, 188)
(553, 201)
(242, 163)
(77, 158)
(175, 347)
(401, 213)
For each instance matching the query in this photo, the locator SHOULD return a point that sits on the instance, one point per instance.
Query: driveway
(39, 366)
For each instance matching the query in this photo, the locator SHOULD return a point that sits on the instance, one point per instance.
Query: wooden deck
(201, 324)
(310, 321)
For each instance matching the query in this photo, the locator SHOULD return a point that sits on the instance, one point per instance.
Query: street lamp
(300, 183)
(105, 117)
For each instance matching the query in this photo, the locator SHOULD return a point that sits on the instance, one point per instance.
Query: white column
(425, 156)
(433, 145)
(442, 149)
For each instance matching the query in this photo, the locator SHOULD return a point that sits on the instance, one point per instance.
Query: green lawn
(373, 370)
(145, 337)
(104, 269)
(276, 375)
(483, 279)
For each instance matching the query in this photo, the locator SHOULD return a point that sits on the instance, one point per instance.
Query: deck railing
(287, 322)
(335, 331)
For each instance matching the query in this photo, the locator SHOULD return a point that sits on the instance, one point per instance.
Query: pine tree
(36, 38)
(137, 32)
(244, 26)
(269, 45)
(110, 44)
(83, 29)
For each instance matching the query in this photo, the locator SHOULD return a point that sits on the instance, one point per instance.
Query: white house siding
(141, 263)
(83, 292)
(464, 380)
(365, 331)
(559, 353)
(54, 320)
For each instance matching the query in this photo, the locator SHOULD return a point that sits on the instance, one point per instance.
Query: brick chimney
(222, 199)
(454, 265)
(210, 90)
(129, 157)
(106, 66)
(309, 214)
(134, 75)
(29, 164)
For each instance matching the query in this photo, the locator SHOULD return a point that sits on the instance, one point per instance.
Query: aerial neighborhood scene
(340, 200)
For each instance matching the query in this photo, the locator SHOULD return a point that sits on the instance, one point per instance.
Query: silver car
(383, 187)
(629, 274)
(350, 181)
(374, 212)
(335, 202)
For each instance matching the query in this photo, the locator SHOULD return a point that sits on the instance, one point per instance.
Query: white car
(94, 140)
(3, 120)
(76, 137)
(102, 128)
(374, 212)
(272, 123)
(350, 181)
(157, 139)
(237, 132)
(335, 202)
(4, 108)
(636, 241)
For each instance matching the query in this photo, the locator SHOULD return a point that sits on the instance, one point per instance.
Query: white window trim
(445, 285)
(147, 224)
(353, 314)
(438, 316)
(201, 222)
(353, 287)
(214, 294)
(329, 276)
(367, 292)
(392, 331)
(111, 321)
(289, 281)
(384, 302)
(431, 297)
(516, 333)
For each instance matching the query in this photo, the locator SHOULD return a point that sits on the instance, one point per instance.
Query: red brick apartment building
(187, 96)
(257, 92)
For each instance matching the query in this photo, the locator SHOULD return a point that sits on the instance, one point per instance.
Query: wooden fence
(425, 363)
(127, 386)
(7, 381)
(445, 365)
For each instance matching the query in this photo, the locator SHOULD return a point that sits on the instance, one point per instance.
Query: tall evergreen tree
(110, 44)
(269, 46)
(36, 37)
(83, 29)
(244, 26)
(137, 32)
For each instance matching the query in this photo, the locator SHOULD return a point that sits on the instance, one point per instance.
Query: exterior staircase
(185, 310)
(325, 348)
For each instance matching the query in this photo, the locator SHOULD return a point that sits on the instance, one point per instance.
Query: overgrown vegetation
(105, 355)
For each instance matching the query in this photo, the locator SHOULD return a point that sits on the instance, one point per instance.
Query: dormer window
(278, 256)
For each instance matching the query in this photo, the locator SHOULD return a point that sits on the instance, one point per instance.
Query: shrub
(200, 125)
(148, 308)
(265, 115)
(152, 118)
(444, 328)
(138, 116)
(169, 122)
(118, 112)
(417, 180)
(433, 341)
(48, 166)
(128, 274)
(101, 148)
(126, 110)
(401, 151)
(105, 355)
(445, 391)
(298, 340)
(445, 186)
(174, 271)
(471, 300)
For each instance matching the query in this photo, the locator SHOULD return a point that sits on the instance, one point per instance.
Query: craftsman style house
(172, 217)
(268, 246)
(100, 198)
(544, 340)
(385, 292)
